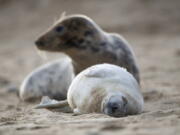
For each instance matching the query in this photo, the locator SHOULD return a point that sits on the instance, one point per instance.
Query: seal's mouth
(57, 46)
(51, 48)
(120, 113)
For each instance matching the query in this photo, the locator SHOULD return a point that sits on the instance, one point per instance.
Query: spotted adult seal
(52, 79)
(103, 88)
(87, 44)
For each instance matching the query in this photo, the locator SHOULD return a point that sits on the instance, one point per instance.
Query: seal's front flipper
(76, 112)
(48, 103)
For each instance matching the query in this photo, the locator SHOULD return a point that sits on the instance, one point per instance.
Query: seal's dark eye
(59, 28)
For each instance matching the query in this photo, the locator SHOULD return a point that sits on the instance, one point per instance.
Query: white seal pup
(103, 88)
(52, 79)
(87, 44)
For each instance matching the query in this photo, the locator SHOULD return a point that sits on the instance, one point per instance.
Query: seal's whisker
(41, 53)
(63, 15)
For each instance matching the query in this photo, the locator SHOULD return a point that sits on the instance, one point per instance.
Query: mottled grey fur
(51, 79)
(87, 44)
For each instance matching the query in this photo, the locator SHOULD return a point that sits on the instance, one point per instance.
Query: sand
(151, 27)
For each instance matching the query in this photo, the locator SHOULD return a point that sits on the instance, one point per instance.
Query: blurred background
(152, 27)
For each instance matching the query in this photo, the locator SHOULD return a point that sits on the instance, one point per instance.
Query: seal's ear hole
(124, 100)
(59, 29)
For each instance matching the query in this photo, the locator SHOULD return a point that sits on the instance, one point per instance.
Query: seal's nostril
(114, 108)
(39, 43)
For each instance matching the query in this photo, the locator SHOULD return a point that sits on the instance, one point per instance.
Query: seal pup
(103, 88)
(87, 44)
(52, 79)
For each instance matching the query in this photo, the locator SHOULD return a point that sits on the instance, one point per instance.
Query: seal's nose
(40, 43)
(113, 107)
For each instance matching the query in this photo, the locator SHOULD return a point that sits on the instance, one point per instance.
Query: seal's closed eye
(125, 100)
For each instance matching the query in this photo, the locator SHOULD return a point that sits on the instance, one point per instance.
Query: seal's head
(74, 31)
(115, 105)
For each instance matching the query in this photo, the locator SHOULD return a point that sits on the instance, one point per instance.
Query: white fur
(114, 79)
(51, 78)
